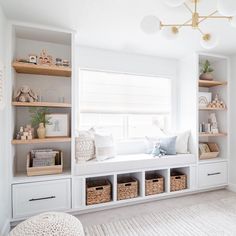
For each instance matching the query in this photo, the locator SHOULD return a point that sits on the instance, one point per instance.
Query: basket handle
(99, 188)
(177, 177)
(155, 180)
(128, 184)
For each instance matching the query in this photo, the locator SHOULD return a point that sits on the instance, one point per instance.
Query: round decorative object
(206, 76)
(209, 41)
(150, 24)
(174, 3)
(226, 7)
(49, 224)
(170, 33)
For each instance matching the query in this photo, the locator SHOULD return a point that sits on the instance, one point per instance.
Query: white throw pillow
(104, 145)
(182, 142)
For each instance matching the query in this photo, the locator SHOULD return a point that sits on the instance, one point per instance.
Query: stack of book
(43, 157)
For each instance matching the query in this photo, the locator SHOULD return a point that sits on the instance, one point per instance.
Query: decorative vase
(206, 76)
(41, 131)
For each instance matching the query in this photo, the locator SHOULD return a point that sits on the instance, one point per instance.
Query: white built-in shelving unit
(67, 191)
(51, 84)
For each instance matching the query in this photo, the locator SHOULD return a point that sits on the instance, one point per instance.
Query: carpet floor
(215, 218)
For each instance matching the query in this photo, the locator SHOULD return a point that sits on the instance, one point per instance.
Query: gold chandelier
(226, 8)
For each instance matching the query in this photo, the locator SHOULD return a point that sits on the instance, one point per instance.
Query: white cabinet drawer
(214, 174)
(32, 198)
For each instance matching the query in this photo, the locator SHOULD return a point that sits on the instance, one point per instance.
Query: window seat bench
(133, 162)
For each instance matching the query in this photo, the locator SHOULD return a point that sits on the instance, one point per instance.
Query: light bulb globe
(209, 41)
(226, 7)
(150, 24)
(170, 33)
(174, 3)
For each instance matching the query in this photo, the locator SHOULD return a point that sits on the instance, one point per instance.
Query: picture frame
(58, 125)
(204, 98)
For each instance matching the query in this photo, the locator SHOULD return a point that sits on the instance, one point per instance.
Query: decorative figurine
(33, 59)
(217, 103)
(158, 151)
(214, 124)
(25, 133)
(25, 94)
(45, 59)
(58, 62)
(65, 63)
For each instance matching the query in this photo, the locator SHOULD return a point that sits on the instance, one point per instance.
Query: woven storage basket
(178, 181)
(85, 148)
(154, 184)
(127, 187)
(98, 191)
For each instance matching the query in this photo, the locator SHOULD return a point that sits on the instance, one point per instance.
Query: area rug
(217, 218)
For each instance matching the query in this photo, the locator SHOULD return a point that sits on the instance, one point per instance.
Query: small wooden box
(98, 191)
(178, 181)
(209, 155)
(127, 187)
(154, 184)
(45, 170)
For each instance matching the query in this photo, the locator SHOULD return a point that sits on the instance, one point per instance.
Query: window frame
(174, 97)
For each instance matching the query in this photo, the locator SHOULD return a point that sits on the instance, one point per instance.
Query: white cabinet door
(32, 198)
(211, 175)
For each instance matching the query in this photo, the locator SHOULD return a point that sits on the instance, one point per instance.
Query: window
(130, 106)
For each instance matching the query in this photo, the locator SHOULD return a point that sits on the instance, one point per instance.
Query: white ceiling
(115, 24)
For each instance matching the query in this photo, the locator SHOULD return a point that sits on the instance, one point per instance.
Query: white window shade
(104, 92)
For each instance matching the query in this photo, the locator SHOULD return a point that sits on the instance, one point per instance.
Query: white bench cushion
(133, 162)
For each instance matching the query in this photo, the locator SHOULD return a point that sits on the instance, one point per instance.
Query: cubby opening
(99, 190)
(179, 179)
(156, 182)
(130, 185)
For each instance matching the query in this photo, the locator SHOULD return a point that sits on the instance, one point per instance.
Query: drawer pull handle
(42, 198)
(155, 180)
(217, 173)
(126, 185)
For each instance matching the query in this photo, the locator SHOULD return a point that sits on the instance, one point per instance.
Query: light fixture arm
(196, 19)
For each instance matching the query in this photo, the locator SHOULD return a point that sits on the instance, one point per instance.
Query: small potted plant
(206, 71)
(39, 120)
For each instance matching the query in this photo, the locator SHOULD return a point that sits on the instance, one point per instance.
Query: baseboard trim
(6, 228)
(232, 187)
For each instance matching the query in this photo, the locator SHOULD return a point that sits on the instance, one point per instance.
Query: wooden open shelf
(27, 68)
(212, 109)
(45, 140)
(41, 104)
(212, 135)
(211, 83)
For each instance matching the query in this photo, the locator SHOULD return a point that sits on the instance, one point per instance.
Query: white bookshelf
(50, 83)
(218, 86)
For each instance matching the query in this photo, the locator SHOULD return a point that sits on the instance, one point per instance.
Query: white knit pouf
(49, 224)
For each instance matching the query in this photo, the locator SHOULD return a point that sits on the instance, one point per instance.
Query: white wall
(126, 63)
(232, 152)
(107, 60)
(4, 180)
(187, 98)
